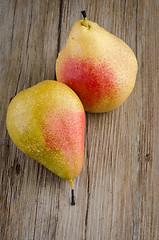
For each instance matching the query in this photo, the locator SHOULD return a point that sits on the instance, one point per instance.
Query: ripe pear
(47, 123)
(98, 66)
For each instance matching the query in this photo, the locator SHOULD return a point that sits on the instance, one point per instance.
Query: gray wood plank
(29, 49)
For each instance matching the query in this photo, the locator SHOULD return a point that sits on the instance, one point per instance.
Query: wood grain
(117, 193)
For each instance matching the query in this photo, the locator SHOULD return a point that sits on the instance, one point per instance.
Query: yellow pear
(47, 123)
(98, 66)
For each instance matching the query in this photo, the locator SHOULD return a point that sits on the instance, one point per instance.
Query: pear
(98, 66)
(47, 123)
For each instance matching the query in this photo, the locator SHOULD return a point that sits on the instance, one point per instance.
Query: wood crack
(9, 209)
(136, 25)
(59, 31)
(124, 12)
(26, 72)
(139, 192)
(48, 7)
(13, 24)
(18, 80)
(87, 207)
(56, 221)
(36, 210)
(28, 37)
(50, 213)
(88, 185)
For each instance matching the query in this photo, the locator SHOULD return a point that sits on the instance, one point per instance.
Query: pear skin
(47, 123)
(98, 66)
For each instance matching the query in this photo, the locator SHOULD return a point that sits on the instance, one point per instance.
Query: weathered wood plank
(148, 164)
(29, 49)
(111, 153)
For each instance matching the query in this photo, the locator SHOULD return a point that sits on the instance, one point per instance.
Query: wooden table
(117, 192)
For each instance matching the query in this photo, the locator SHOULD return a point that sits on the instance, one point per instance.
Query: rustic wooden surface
(117, 193)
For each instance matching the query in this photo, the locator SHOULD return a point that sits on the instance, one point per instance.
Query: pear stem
(85, 21)
(72, 192)
(73, 197)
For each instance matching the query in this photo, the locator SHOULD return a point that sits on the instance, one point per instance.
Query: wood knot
(147, 157)
(17, 169)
